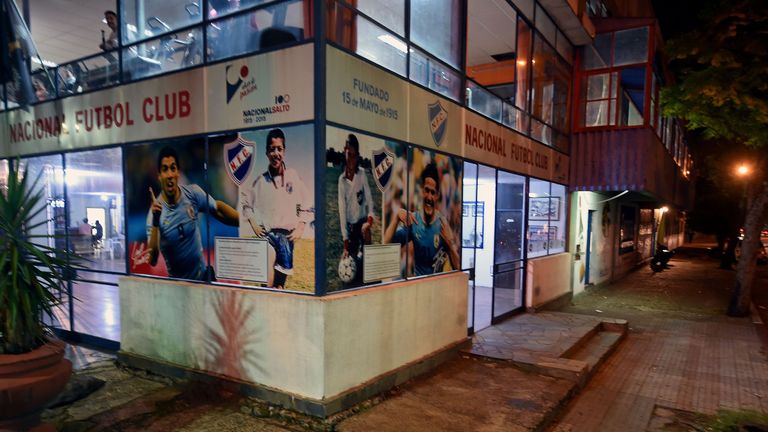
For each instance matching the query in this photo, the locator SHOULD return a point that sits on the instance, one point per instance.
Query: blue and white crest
(438, 122)
(383, 161)
(238, 158)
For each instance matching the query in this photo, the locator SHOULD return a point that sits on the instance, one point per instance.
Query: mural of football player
(276, 206)
(428, 230)
(172, 220)
(355, 202)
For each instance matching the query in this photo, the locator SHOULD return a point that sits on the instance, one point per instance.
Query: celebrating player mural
(367, 191)
(168, 210)
(433, 224)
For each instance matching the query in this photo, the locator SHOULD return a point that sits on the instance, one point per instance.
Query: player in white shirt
(276, 205)
(355, 202)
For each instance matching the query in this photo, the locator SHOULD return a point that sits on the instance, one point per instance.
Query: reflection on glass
(96, 310)
(435, 26)
(143, 19)
(90, 73)
(539, 211)
(557, 219)
(483, 101)
(95, 196)
(265, 28)
(167, 53)
(390, 13)
(509, 217)
(508, 290)
(432, 74)
(631, 46)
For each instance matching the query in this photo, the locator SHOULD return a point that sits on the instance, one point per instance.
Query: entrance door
(508, 262)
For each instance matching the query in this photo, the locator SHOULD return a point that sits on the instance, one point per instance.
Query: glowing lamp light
(664, 209)
(742, 170)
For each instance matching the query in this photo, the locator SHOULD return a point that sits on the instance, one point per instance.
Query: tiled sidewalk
(682, 352)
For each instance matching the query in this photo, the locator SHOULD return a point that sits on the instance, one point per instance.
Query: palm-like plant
(32, 274)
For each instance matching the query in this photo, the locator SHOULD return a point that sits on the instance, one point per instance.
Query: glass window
(564, 47)
(264, 28)
(367, 39)
(510, 207)
(2, 97)
(557, 219)
(97, 312)
(4, 171)
(538, 217)
(598, 55)
(90, 73)
(164, 54)
(632, 96)
(48, 173)
(42, 85)
(524, 39)
(515, 118)
(143, 19)
(627, 230)
(551, 87)
(381, 46)
(545, 25)
(389, 13)
(434, 75)
(483, 101)
(219, 8)
(541, 132)
(95, 196)
(631, 46)
(436, 27)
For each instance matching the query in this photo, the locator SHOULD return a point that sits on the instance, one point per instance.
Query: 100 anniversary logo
(240, 83)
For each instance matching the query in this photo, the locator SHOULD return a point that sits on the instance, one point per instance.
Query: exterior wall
(370, 332)
(547, 279)
(604, 228)
(314, 347)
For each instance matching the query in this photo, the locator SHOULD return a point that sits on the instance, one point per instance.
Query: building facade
(307, 196)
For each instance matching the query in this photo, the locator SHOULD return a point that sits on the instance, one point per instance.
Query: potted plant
(33, 274)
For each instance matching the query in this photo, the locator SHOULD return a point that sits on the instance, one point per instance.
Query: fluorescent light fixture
(394, 42)
(46, 63)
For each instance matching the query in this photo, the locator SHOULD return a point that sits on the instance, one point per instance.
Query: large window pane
(598, 55)
(538, 218)
(262, 29)
(510, 207)
(143, 19)
(557, 219)
(95, 196)
(381, 46)
(89, 73)
(632, 97)
(97, 308)
(631, 46)
(436, 27)
(524, 39)
(390, 13)
(483, 101)
(551, 87)
(433, 74)
(165, 54)
(219, 8)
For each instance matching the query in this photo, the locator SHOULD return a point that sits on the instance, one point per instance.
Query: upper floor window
(623, 47)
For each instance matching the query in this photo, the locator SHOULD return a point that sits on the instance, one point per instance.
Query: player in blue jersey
(172, 227)
(432, 237)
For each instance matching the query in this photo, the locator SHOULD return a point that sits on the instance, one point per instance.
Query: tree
(722, 90)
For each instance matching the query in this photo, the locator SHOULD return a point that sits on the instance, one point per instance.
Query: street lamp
(743, 170)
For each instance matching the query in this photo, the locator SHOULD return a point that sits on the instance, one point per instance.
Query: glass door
(508, 256)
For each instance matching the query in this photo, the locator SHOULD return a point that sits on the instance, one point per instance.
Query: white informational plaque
(381, 262)
(241, 259)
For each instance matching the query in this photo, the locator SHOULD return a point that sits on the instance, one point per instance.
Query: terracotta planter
(28, 382)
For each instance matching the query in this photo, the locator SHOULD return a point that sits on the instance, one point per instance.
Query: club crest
(238, 157)
(438, 122)
(383, 161)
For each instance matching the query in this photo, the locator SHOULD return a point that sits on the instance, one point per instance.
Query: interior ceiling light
(394, 42)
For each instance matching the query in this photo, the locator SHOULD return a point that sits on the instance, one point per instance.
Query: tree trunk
(745, 269)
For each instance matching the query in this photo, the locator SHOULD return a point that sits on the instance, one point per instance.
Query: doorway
(492, 242)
